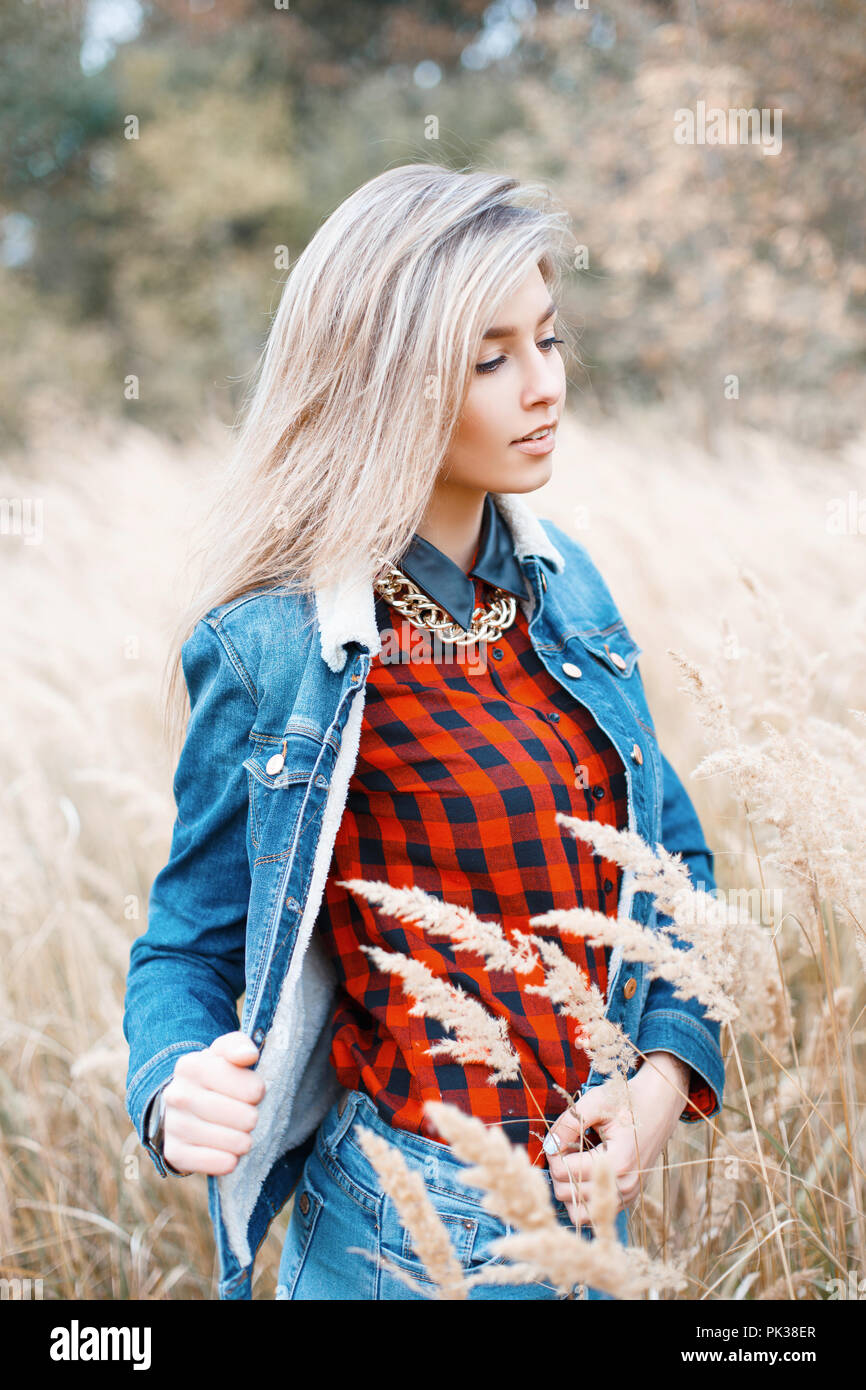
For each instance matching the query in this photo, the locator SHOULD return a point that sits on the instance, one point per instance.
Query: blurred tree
(143, 203)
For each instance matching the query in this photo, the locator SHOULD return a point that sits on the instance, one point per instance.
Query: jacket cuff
(155, 1145)
(142, 1096)
(667, 1030)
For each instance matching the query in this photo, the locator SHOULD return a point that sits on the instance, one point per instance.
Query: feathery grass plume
(728, 963)
(438, 918)
(418, 1216)
(701, 972)
(603, 1198)
(565, 1258)
(514, 1190)
(481, 1036)
(609, 1049)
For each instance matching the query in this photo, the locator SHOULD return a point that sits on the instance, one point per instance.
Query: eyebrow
(510, 332)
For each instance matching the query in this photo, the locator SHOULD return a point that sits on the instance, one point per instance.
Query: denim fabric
(340, 1204)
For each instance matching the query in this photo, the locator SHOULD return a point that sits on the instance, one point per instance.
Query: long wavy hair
(362, 380)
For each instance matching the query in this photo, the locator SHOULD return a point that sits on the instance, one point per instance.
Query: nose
(544, 381)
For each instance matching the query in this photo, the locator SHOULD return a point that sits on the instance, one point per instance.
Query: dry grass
(765, 1201)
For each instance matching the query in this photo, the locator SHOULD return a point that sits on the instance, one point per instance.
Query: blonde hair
(362, 380)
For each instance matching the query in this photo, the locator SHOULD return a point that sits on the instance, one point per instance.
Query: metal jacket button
(636, 753)
(278, 761)
(629, 987)
(304, 1203)
(569, 669)
(544, 582)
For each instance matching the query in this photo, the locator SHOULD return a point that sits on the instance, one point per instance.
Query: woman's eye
(546, 344)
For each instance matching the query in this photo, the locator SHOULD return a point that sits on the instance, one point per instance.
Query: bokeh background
(163, 165)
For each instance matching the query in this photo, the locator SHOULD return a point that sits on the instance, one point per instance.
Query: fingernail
(551, 1144)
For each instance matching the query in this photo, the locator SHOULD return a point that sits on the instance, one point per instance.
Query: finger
(580, 1217)
(585, 1114)
(565, 1193)
(192, 1098)
(191, 1129)
(584, 1192)
(215, 1073)
(238, 1048)
(193, 1158)
(579, 1166)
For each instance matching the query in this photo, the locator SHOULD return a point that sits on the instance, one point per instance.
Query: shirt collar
(446, 583)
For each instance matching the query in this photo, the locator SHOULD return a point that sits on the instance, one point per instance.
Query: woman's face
(518, 386)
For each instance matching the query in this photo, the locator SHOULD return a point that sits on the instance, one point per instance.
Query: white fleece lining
(294, 1063)
(295, 1059)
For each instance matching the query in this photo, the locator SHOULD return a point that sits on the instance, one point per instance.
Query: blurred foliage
(157, 257)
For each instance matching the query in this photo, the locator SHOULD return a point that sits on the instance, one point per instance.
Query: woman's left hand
(658, 1096)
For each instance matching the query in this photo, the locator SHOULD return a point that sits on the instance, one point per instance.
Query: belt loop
(346, 1107)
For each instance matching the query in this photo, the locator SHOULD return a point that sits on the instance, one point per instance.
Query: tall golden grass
(747, 599)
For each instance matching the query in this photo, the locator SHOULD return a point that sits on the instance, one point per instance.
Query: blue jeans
(339, 1203)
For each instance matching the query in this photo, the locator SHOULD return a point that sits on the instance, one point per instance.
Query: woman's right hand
(210, 1106)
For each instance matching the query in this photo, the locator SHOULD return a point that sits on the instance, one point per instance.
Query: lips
(551, 424)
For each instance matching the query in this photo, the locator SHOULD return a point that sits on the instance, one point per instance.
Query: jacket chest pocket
(615, 648)
(279, 770)
(618, 652)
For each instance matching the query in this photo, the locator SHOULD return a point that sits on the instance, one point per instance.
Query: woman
(397, 672)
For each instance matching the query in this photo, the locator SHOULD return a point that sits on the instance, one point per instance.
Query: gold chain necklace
(420, 610)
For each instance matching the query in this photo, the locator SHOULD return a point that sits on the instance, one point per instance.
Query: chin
(534, 474)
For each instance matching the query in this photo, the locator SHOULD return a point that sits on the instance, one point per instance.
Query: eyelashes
(484, 367)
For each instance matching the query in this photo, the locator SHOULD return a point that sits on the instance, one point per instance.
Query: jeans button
(304, 1203)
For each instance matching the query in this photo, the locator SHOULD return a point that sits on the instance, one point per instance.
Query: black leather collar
(447, 584)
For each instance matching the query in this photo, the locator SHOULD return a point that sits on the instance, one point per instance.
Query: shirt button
(629, 987)
(608, 885)
(598, 793)
(569, 669)
(275, 764)
(553, 716)
(497, 652)
(636, 753)
(617, 660)
(544, 582)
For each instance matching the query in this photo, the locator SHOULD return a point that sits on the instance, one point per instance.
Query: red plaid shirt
(455, 789)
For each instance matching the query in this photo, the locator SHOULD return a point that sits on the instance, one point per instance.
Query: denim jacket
(233, 910)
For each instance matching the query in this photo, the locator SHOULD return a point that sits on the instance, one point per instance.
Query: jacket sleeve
(669, 1023)
(187, 970)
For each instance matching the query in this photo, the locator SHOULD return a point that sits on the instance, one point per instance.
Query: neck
(452, 521)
